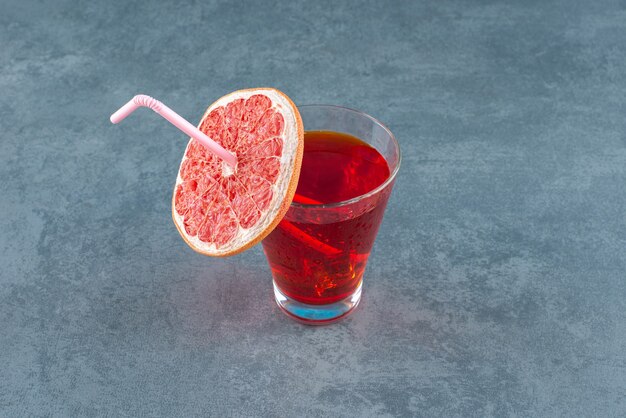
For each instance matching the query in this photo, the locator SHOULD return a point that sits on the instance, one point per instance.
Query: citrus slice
(220, 210)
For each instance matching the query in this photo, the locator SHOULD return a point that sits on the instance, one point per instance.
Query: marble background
(496, 287)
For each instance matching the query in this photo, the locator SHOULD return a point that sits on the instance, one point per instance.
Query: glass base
(317, 314)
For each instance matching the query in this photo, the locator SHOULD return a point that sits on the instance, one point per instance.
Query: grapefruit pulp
(220, 210)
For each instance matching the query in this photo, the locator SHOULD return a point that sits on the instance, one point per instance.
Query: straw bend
(141, 100)
(147, 101)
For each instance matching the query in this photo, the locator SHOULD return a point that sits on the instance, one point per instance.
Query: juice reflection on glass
(319, 251)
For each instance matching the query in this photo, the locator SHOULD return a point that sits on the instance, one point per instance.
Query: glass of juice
(319, 250)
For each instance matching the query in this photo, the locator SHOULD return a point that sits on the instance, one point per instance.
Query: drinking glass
(318, 252)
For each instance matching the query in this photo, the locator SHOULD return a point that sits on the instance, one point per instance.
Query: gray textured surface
(497, 283)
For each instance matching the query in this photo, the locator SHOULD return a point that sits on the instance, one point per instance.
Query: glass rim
(372, 192)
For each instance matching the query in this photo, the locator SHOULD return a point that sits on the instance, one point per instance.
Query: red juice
(318, 255)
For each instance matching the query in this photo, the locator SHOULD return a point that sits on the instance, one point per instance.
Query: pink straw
(176, 120)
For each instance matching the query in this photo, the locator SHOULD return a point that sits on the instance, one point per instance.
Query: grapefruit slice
(221, 211)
